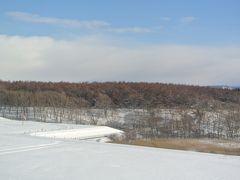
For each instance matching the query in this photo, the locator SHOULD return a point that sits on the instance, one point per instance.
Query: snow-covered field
(26, 157)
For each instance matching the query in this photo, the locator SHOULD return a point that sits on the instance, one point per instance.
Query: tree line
(114, 95)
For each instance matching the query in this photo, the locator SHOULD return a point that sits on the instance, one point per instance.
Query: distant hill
(226, 87)
(141, 110)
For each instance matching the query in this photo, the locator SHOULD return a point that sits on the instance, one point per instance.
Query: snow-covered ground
(26, 157)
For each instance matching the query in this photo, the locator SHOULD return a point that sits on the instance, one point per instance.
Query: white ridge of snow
(83, 133)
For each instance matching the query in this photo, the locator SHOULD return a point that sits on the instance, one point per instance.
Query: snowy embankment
(63, 131)
(83, 133)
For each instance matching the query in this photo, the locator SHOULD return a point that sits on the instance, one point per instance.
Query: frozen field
(24, 156)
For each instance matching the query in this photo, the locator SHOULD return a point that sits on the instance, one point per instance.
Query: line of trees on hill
(114, 95)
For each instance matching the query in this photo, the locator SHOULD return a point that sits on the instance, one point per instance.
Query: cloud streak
(90, 24)
(34, 18)
(94, 59)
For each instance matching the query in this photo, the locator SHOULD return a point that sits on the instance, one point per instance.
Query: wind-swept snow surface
(25, 157)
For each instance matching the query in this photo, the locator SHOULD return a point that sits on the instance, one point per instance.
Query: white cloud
(94, 59)
(131, 30)
(34, 18)
(187, 19)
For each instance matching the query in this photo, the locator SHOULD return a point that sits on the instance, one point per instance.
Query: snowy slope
(25, 157)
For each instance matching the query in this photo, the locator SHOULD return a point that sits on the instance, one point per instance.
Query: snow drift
(82, 133)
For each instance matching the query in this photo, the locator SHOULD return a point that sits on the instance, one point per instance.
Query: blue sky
(202, 26)
(215, 21)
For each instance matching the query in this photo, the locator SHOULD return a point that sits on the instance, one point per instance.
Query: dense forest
(114, 95)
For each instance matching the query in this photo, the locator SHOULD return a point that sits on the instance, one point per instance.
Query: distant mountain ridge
(226, 87)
